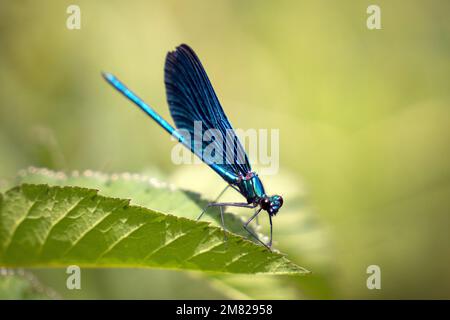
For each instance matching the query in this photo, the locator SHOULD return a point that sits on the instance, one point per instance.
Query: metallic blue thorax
(251, 188)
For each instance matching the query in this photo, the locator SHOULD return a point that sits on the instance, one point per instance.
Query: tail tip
(107, 76)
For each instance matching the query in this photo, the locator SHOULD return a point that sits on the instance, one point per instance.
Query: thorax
(251, 187)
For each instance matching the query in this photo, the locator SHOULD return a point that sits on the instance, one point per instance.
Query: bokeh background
(363, 118)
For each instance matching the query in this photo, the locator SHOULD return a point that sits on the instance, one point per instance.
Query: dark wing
(191, 98)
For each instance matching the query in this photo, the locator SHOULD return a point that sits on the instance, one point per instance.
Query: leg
(225, 238)
(232, 204)
(221, 205)
(271, 228)
(227, 204)
(254, 235)
(220, 194)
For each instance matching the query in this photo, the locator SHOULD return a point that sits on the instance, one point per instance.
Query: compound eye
(277, 200)
(273, 210)
(265, 203)
(280, 200)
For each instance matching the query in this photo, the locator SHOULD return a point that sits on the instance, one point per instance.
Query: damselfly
(192, 99)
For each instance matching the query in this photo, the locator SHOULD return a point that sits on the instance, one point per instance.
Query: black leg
(233, 204)
(257, 219)
(271, 228)
(218, 197)
(225, 238)
(251, 233)
(227, 204)
(221, 205)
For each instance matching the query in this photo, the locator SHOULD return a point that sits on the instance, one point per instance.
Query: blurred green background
(363, 118)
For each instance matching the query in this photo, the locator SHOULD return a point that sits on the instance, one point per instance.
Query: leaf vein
(17, 226)
(210, 248)
(57, 221)
(120, 239)
(167, 243)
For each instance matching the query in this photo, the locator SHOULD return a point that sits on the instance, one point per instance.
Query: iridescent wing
(191, 98)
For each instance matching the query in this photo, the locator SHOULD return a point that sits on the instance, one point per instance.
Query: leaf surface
(58, 226)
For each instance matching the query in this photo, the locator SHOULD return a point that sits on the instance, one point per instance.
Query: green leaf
(59, 226)
(143, 190)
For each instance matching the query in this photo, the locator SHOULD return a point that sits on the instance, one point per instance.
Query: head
(271, 204)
